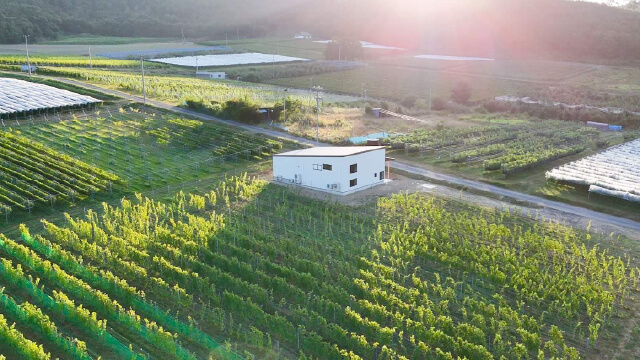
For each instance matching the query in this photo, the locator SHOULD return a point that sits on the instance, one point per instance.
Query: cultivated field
(614, 172)
(178, 89)
(151, 150)
(47, 60)
(242, 268)
(411, 277)
(33, 174)
(19, 96)
(506, 148)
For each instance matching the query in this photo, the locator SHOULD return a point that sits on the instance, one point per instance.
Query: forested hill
(555, 29)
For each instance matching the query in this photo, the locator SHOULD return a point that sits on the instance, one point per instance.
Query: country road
(471, 184)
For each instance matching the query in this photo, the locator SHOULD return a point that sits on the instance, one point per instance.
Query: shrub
(438, 104)
(495, 106)
(408, 102)
(461, 93)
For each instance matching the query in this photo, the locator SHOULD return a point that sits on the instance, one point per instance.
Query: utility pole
(318, 90)
(184, 40)
(144, 89)
(26, 44)
(310, 83)
(284, 104)
(430, 85)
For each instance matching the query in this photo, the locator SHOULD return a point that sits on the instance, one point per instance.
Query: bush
(461, 93)
(408, 102)
(240, 110)
(438, 104)
(495, 106)
(367, 108)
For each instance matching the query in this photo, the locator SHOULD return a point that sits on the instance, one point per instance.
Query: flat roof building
(339, 170)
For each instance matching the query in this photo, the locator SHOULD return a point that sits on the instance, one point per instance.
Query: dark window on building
(381, 175)
(353, 168)
(353, 182)
(327, 167)
(375, 175)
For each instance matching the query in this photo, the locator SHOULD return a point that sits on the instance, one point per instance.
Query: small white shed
(211, 74)
(339, 170)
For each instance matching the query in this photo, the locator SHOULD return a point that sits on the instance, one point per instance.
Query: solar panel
(19, 95)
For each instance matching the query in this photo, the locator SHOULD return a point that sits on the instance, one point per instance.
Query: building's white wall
(369, 163)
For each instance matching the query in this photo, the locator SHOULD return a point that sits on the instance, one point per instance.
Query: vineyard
(33, 174)
(56, 60)
(506, 148)
(278, 275)
(150, 150)
(179, 89)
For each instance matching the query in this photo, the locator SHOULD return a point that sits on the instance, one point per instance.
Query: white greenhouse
(613, 172)
(227, 60)
(338, 170)
(17, 96)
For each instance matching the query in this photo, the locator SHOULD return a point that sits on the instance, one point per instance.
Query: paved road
(476, 185)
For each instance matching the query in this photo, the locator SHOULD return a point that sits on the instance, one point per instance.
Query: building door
(381, 175)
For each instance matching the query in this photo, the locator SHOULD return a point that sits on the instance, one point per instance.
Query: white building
(303, 35)
(339, 170)
(211, 74)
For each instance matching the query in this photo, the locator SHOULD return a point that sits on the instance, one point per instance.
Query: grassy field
(104, 40)
(83, 49)
(513, 69)
(388, 82)
(302, 48)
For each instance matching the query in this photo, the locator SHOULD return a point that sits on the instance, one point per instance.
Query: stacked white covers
(19, 95)
(613, 172)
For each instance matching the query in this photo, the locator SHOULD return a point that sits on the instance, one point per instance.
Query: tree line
(547, 29)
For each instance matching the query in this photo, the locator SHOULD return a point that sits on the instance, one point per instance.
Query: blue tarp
(363, 139)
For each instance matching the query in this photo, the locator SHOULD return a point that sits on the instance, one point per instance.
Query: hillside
(549, 29)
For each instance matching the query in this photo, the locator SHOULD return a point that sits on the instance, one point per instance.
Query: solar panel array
(19, 95)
